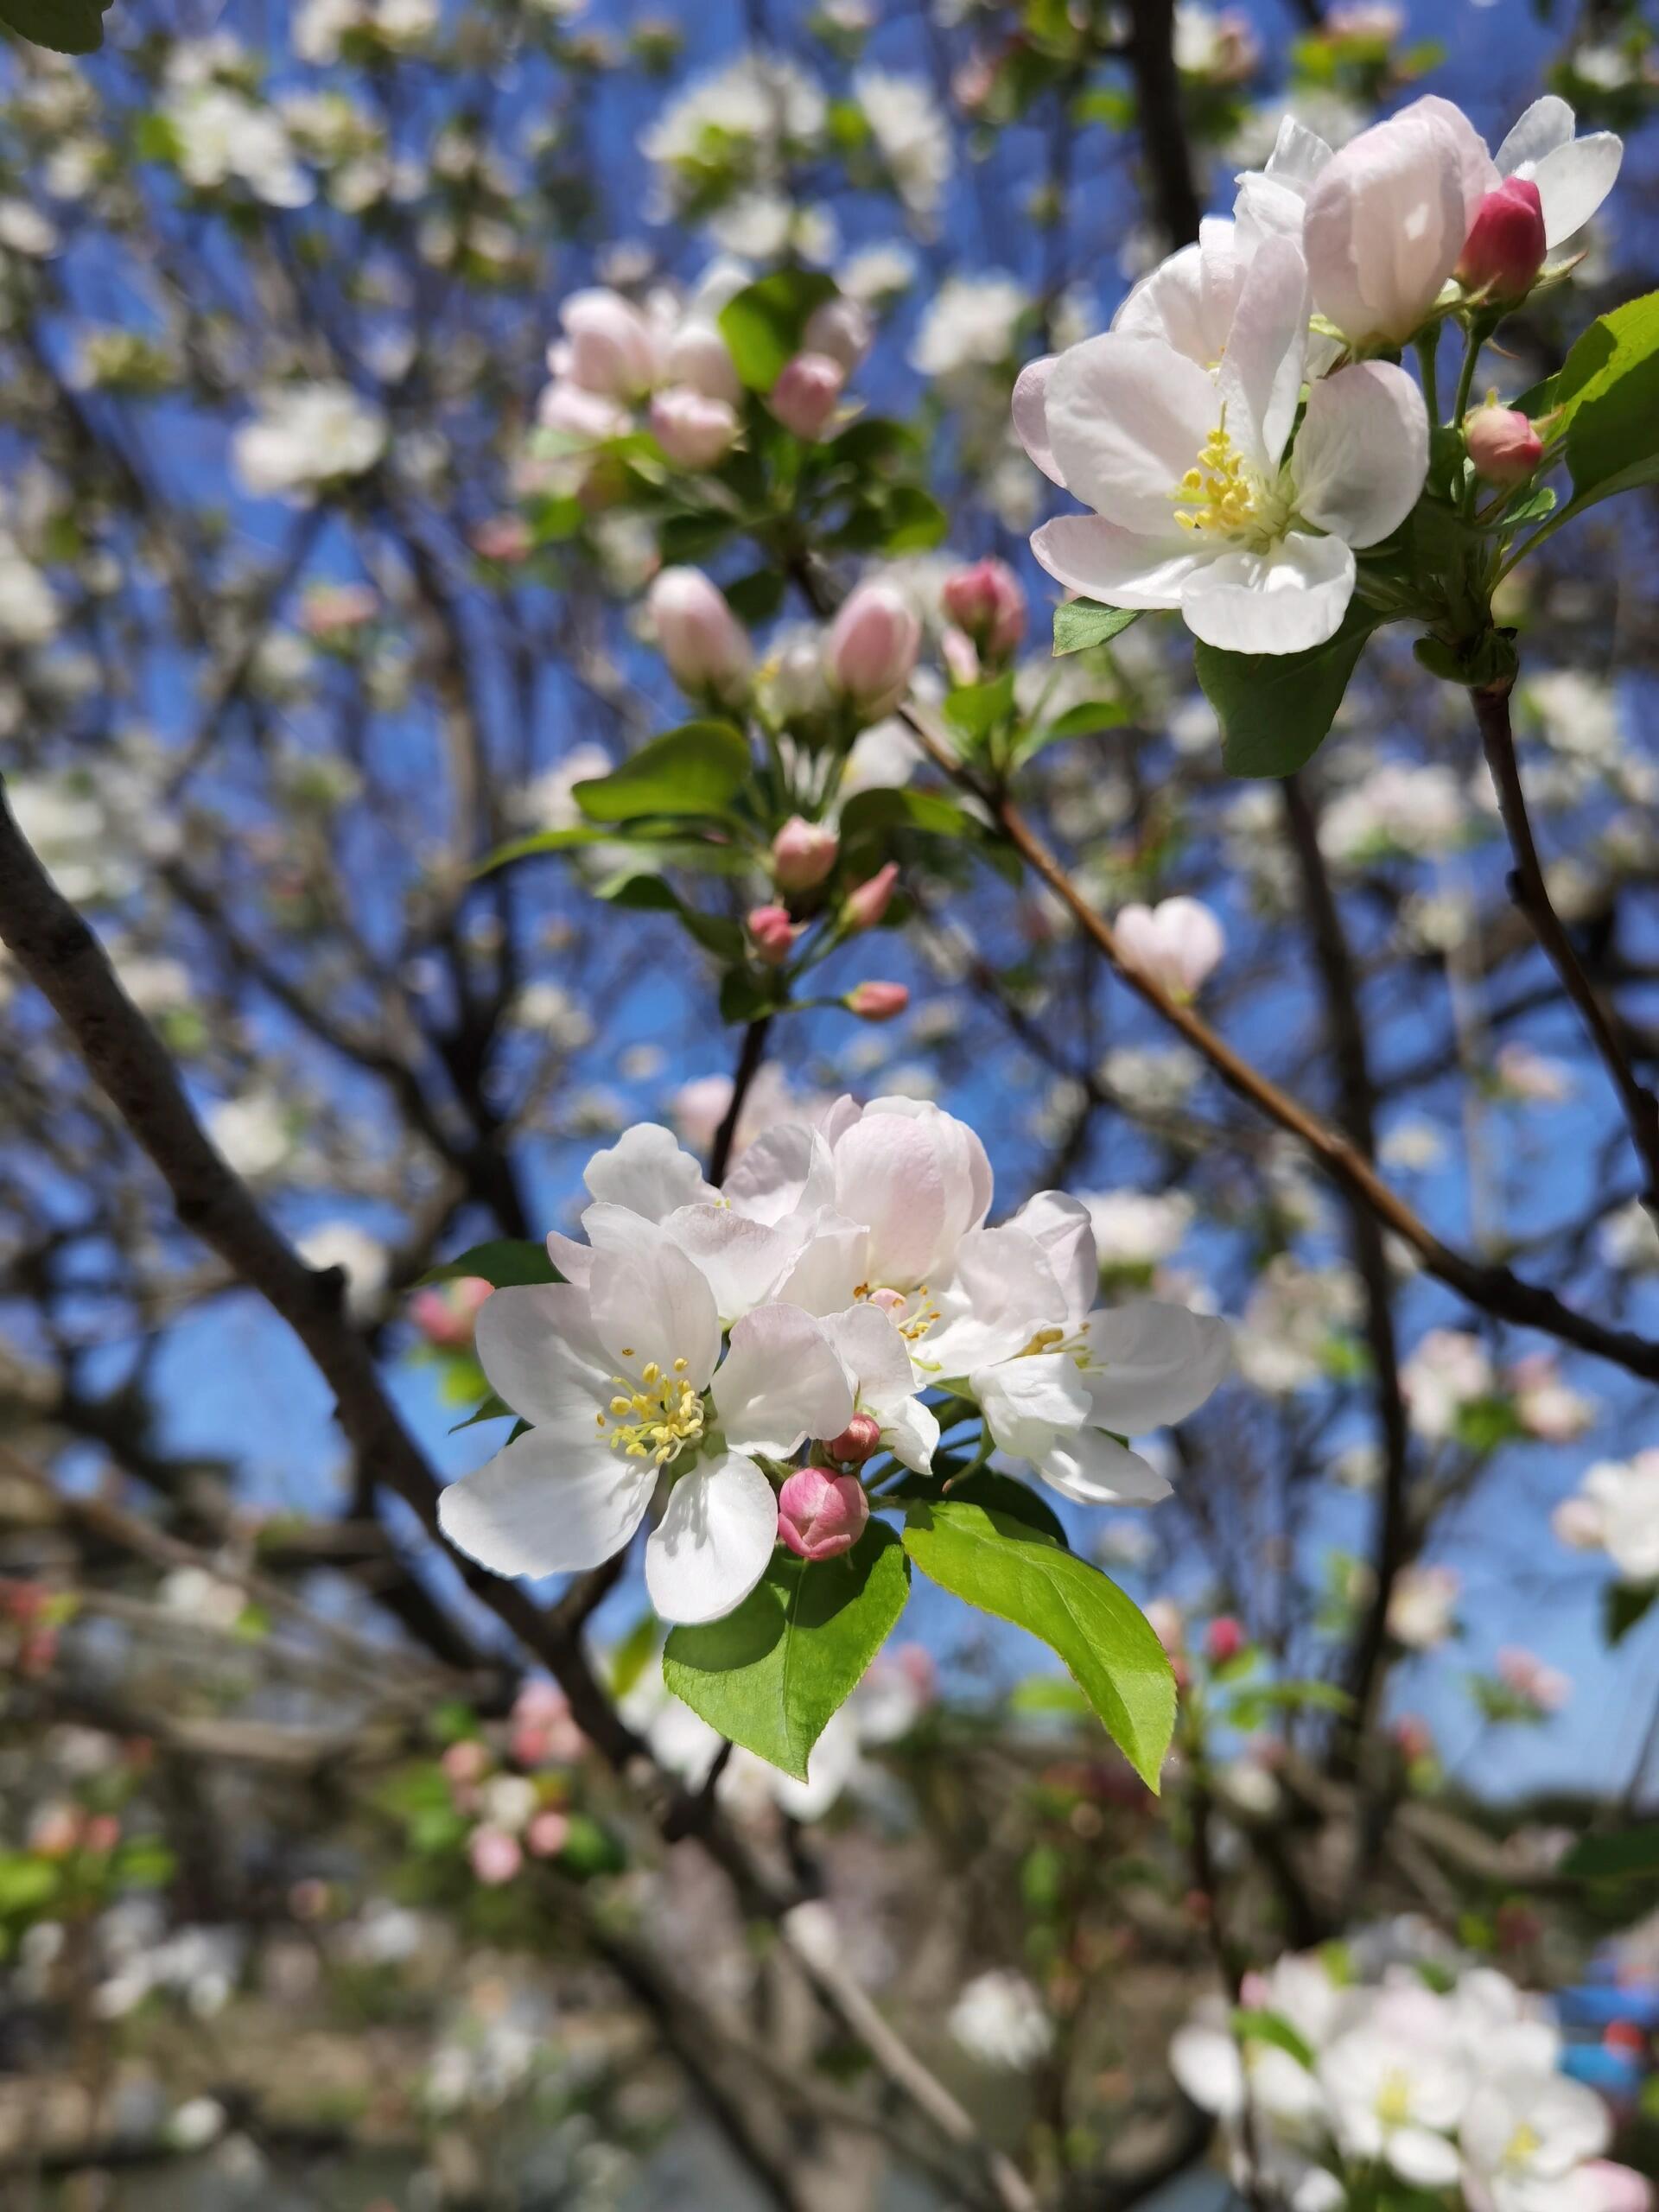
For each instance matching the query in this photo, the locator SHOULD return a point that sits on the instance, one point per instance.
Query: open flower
(1523, 2136)
(617, 1378)
(1213, 511)
(1574, 175)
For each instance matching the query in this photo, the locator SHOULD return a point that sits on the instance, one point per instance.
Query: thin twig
(748, 1066)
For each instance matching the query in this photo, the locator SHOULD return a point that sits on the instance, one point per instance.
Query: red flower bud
(773, 934)
(861, 1437)
(1505, 249)
(820, 1514)
(1502, 444)
(877, 1001)
(1223, 1640)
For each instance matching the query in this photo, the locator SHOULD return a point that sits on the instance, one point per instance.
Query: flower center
(1053, 1339)
(1524, 2145)
(912, 1313)
(1224, 496)
(1393, 2099)
(656, 1417)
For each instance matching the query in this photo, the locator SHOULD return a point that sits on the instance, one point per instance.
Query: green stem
(1428, 344)
(1466, 376)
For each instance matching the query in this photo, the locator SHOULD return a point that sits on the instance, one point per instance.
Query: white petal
(1260, 380)
(712, 1544)
(1028, 1402)
(874, 1355)
(575, 1262)
(646, 1171)
(1362, 452)
(891, 1176)
(1001, 1291)
(740, 1258)
(1297, 156)
(610, 1229)
(832, 1261)
(1122, 567)
(1545, 125)
(784, 1170)
(1189, 299)
(1066, 1235)
(911, 1431)
(1127, 416)
(1157, 1362)
(1094, 1469)
(538, 1347)
(1031, 414)
(546, 1506)
(1477, 168)
(1574, 180)
(1279, 602)
(1417, 2155)
(658, 1306)
(781, 1383)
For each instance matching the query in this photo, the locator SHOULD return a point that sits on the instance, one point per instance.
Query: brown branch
(1163, 142)
(748, 1066)
(1530, 892)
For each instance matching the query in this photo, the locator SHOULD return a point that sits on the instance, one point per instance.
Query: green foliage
(1083, 719)
(1081, 623)
(502, 1262)
(65, 26)
(975, 708)
(1253, 2026)
(645, 893)
(997, 1493)
(1275, 708)
(770, 1674)
(696, 769)
(1606, 398)
(763, 323)
(1628, 1855)
(1007, 1568)
(1623, 1604)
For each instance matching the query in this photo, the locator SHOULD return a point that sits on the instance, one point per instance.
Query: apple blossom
(609, 346)
(803, 854)
(1422, 1606)
(807, 393)
(496, 1857)
(703, 641)
(821, 1514)
(877, 1001)
(1396, 2083)
(1574, 175)
(999, 2020)
(1223, 1639)
(1176, 943)
(841, 327)
(548, 1834)
(773, 933)
(1213, 510)
(872, 646)
(692, 430)
(857, 1441)
(574, 412)
(1503, 445)
(867, 902)
(986, 601)
(1506, 247)
(446, 1314)
(697, 359)
(305, 435)
(1523, 2135)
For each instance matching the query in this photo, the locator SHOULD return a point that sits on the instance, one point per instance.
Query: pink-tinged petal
(1094, 1469)
(1154, 1363)
(781, 1383)
(831, 1262)
(1283, 601)
(1386, 223)
(1362, 452)
(711, 1547)
(1189, 299)
(782, 1170)
(890, 1175)
(646, 1171)
(1003, 1289)
(538, 1345)
(1574, 180)
(1545, 125)
(1125, 419)
(1122, 567)
(874, 1355)
(658, 1306)
(741, 1260)
(1476, 168)
(1260, 380)
(547, 1505)
(1064, 1233)
(1030, 408)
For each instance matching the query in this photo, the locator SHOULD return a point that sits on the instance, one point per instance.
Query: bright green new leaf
(504, 1261)
(1083, 719)
(65, 26)
(1607, 395)
(763, 323)
(974, 709)
(1109, 1647)
(888, 808)
(650, 894)
(997, 1493)
(1251, 2027)
(1083, 622)
(696, 769)
(1275, 708)
(770, 1674)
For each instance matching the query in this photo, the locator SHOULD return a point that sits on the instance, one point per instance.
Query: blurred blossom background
(312, 1891)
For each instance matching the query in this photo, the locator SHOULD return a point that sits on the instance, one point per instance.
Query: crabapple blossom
(1616, 1510)
(1506, 247)
(305, 435)
(821, 1514)
(773, 933)
(1502, 445)
(1422, 1606)
(803, 854)
(1176, 943)
(705, 646)
(697, 359)
(872, 647)
(986, 602)
(999, 2019)
(867, 902)
(694, 431)
(843, 328)
(608, 344)
(861, 1437)
(807, 393)
(877, 1001)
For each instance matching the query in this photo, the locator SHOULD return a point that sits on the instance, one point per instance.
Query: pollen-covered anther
(1221, 488)
(657, 1418)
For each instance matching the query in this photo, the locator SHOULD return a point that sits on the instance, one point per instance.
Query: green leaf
(493, 1407)
(1083, 719)
(26, 1882)
(633, 1655)
(992, 1561)
(1253, 2026)
(1623, 1605)
(872, 813)
(650, 894)
(763, 324)
(1608, 397)
(770, 1674)
(1274, 709)
(915, 522)
(997, 1493)
(1630, 1856)
(745, 996)
(1081, 623)
(64, 26)
(974, 709)
(696, 769)
(502, 1262)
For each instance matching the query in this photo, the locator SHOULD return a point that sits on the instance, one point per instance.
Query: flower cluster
(840, 1282)
(1239, 444)
(1329, 2086)
(1616, 1510)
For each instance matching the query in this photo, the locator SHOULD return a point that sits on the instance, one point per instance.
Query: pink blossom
(706, 647)
(1505, 249)
(987, 600)
(548, 1834)
(861, 1437)
(807, 393)
(447, 1314)
(1223, 1639)
(843, 328)
(495, 1856)
(803, 854)
(609, 345)
(873, 645)
(1177, 943)
(692, 430)
(772, 934)
(1502, 444)
(821, 1514)
(877, 1001)
(866, 906)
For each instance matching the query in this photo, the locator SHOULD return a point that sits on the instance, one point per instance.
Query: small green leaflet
(763, 324)
(1272, 2028)
(503, 1261)
(1607, 395)
(770, 1674)
(1083, 622)
(64, 26)
(1623, 1604)
(1007, 1569)
(1275, 708)
(696, 769)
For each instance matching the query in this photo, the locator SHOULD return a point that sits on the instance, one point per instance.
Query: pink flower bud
(465, 1762)
(807, 393)
(873, 645)
(1223, 1639)
(877, 1001)
(698, 357)
(866, 904)
(843, 328)
(548, 1834)
(612, 348)
(988, 601)
(447, 1314)
(55, 1831)
(693, 430)
(103, 1832)
(1176, 943)
(803, 854)
(698, 634)
(580, 414)
(496, 1856)
(1505, 249)
(773, 933)
(1502, 444)
(821, 1515)
(861, 1437)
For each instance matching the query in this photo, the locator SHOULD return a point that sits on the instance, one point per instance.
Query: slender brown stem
(1164, 144)
(1530, 892)
(748, 1066)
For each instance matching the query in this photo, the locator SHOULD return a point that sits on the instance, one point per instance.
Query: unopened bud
(1505, 249)
(987, 602)
(1503, 445)
(692, 430)
(861, 1437)
(843, 328)
(496, 1856)
(803, 854)
(1223, 1639)
(868, 902)
(698, 356)
(698, 634)
(873, 645)
(821, 1515)
(611, 347)
(773, 934)
(807, 394)
(548, 1834)
(877, 1001)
